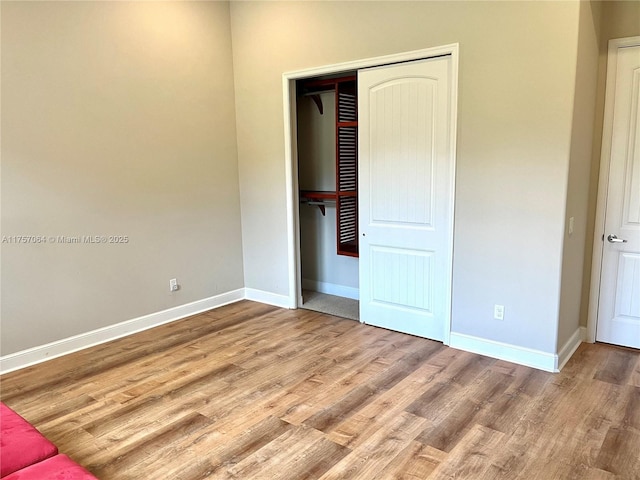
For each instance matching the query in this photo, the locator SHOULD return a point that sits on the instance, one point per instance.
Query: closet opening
(327, 142)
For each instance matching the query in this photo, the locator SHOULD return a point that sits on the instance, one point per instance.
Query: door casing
(291, 150)
(603, 182)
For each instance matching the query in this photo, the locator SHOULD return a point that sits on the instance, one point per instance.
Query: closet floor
(330, 304)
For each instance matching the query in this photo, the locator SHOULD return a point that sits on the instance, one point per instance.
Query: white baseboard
(569, 348)
(32, 356)
(512, 353)
(331, 289)
(269, 298)
(505, 351)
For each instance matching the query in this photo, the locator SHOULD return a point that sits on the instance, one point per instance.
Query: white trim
(512, 353)
(603, 182)
(331, 289)
(42, 353)
(529, 357)
(291, 188)
(372, 62)
(290, 148)
(453, 138)
(269, 298)
(505, 351)
(570, 347)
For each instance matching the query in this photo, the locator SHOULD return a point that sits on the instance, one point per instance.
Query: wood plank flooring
(250, 391)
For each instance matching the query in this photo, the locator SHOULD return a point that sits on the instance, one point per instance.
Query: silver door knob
(614, 239)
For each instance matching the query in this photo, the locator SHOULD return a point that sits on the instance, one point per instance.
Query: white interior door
(619, 305)
(405, 189)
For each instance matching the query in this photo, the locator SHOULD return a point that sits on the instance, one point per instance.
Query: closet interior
(327, 128)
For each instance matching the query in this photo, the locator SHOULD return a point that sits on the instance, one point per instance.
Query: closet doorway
(327, 138)
(388, 283)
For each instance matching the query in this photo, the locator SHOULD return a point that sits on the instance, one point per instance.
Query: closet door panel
(405, 197)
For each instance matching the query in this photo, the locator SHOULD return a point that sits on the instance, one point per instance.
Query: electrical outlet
(173, 285)
(498, 312)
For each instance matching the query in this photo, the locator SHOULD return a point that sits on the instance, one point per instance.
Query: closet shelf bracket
(318, 101)
(319, 199)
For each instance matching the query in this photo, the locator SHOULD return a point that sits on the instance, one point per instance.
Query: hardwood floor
(250, 391)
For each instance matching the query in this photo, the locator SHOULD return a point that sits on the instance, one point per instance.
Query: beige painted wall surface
(619, 19)
(117, 119)
(579, 170)
(517, 80)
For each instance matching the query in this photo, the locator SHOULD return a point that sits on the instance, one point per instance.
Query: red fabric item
(20, 443)
(59, 467)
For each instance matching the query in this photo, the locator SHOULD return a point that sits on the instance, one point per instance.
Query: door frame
(291, 148)
(603, 182)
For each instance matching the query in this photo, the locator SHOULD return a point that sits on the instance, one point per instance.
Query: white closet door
(405, 182)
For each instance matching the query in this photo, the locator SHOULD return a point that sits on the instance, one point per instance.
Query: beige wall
(516, 91)
(117, 119)
(579, 170)
(619, 19)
